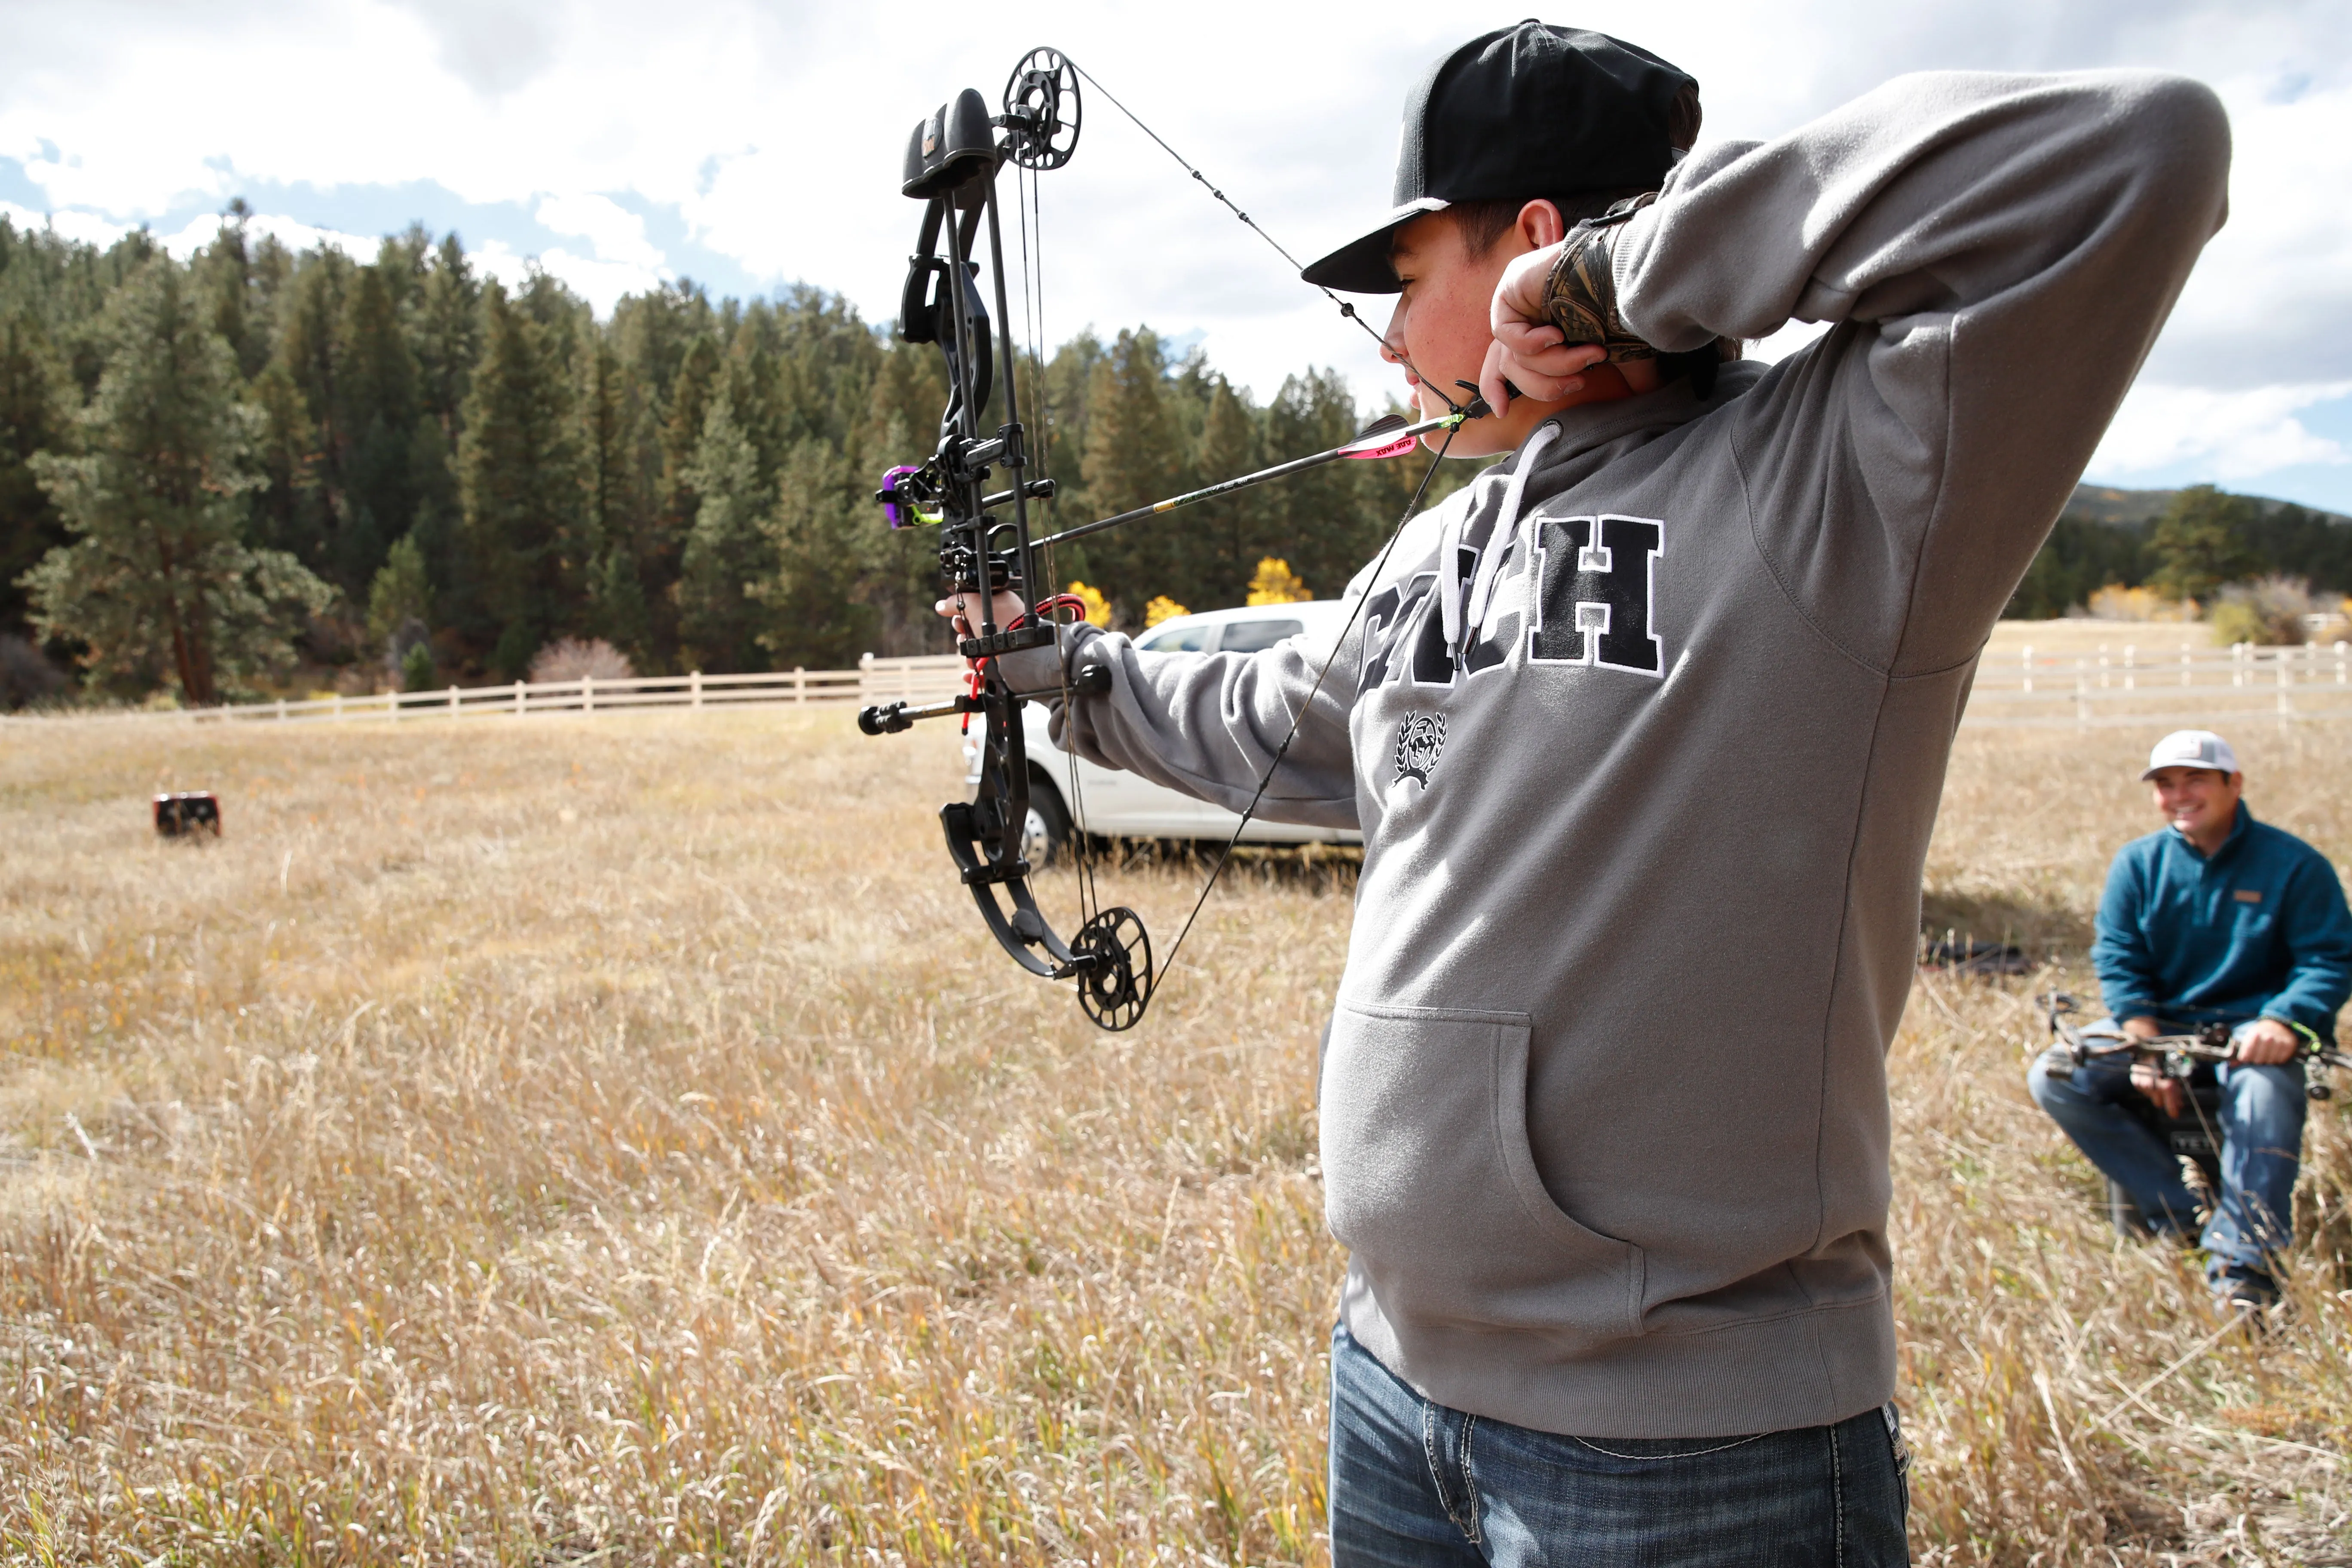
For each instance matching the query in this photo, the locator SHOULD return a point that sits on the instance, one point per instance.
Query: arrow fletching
(1384, 437)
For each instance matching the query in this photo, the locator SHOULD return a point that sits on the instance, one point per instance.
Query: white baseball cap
(2191, 749)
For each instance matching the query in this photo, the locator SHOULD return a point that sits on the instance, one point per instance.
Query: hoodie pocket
(1429, 1180)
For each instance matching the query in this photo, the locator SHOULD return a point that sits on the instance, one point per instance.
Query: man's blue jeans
(1417, 1485)
(2260, 1128)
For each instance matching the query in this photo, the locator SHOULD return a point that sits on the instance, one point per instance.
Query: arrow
(1387, 437)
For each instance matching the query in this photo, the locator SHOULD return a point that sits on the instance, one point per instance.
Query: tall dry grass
(615, 1139)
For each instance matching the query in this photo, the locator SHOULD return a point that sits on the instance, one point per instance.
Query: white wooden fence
(927, 679)
(2122, 683)
(2146, 683)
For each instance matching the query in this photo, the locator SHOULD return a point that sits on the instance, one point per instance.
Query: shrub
(1277, 583)
(403, 637)
(417, 668)
(1097, 606)
(1163, 608)
(2117, 603)
(574, 659)
(2268, 610)
(400, 596)
(26, 678)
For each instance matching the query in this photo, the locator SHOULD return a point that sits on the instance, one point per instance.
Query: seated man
(2214, 918)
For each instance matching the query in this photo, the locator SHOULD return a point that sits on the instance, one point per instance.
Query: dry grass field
(558, 1140)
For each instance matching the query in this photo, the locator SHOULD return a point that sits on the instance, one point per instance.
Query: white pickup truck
(1120, 805)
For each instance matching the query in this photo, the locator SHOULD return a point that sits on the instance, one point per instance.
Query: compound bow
(952, 161)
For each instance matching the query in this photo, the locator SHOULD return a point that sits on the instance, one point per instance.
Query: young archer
(1644, 731)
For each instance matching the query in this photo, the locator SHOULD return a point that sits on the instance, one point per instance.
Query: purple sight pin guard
(890, 477)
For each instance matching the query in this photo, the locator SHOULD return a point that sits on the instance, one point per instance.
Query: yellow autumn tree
(1276, 584)
(1098, 607)
(1163, 608)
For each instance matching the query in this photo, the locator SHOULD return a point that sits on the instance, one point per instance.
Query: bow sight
(953, 160)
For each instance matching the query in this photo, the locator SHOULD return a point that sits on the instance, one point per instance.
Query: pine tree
(291, 515)
(729, 547)
(689, 406)
(38, 403)
(446, 334)
(901, 564)
(159, 579)
(1226, 534)
(311, 346)
(378, 392)
(522, 481)
(815, 616)
(439, 527)
(1133, 456)
(399, 594)
(652, 332)
(2199, 542)
(1317, 520)
(618, 508)
(240, 304)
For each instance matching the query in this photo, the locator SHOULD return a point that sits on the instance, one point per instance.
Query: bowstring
(1031, 212)
(1266, 779)
(1036, 325)
(1345, 309)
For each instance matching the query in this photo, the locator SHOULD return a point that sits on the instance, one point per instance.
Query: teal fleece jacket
(2258, 930)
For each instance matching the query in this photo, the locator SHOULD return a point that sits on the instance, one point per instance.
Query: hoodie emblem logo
(1420, 741)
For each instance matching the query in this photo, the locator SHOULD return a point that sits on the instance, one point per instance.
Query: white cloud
(90, 228)
(601, 283)
(500, 260)
(2273, 295)
(2232, 434)
(83, 229)
(292, 233)
(617, 234)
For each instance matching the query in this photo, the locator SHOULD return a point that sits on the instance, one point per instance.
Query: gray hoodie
(1645, 730)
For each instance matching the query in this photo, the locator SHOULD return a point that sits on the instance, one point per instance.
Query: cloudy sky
(751, 146)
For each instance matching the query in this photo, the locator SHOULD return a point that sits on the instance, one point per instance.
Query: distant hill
(2103, 503)
(2105, 539)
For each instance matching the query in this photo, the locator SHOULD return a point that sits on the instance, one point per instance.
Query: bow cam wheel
(1117, 986)
(1041, 111)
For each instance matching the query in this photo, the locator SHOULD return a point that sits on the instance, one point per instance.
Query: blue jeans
(2261, 1129)
(1416, 1485)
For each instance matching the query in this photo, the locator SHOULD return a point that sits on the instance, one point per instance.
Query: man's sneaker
(2249, 1291)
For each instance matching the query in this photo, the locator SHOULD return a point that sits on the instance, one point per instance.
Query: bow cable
(1266, 779)
(1030, 213)
(1391, 432)
(1345, 309)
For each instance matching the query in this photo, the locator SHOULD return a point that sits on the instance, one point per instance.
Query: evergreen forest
(259, 470)
(2202, 539)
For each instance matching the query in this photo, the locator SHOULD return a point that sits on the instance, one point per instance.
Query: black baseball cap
(1526, 111)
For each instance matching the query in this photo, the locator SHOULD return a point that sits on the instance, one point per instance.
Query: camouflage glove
(1581, 293)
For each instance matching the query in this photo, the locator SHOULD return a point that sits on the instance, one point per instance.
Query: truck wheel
(1047, 832)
